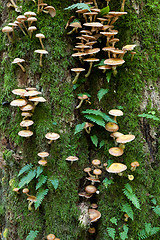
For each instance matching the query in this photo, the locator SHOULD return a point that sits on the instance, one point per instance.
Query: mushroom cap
(87, 124)
(32, 93)
(12, 24)
(32, 28)
(95, 9)
(114, 61)
(43, 154)
(92, 230)
(32, 198)
(21, 18)
(84, 97)
(26, 123)
(135, 164)
(25, 133)
(41, 51)
(52, 136)
(91, 60)
(32, 19)
(125, 138)
(18, 102)
(51, 10)
(81, 10)
(96, 162)
(117, 51)
(116, 134)
(84, 194)
(108, 33)
(42, 162)
(86, 32)
(81, 46)
(116, 168)
(51, 237)
(97, 171)
(116, 112)
(91, 43)
(78, 70)
(72, 158)
(111, 127)
(30, 14)
(79, 54)
(93, 179)
(129, 47)
(15, 189)
(102, 19)
(87, 169)
(93, 50)
(116, 151)
(94, 215)
(94, 205)
(90, 189)
(18, 60)
(26, 114)
(108, 48)
(7, 29)
(130, 177)
(37, 99)
(19, 91)
(93, 24)
(27, 107)
(40, 35)
(25, 190)
(114, 40)
(91, 13)
(75, 25)
(103, 67)
(117, 13)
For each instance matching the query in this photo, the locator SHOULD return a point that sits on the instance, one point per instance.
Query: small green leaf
(94, 140)
(39, 171)
(104, 11)
(55, 183)
(113, 220)
(124, 235)
(102, 143)
(101, 93)
(107, 182)
(32, 235)
(26, 168)
(78, 6)
(108, 76)
(79, 128)
(111, 232)
(109, 162)
(150, 116)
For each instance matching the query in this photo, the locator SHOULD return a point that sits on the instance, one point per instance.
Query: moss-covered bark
(135, 88)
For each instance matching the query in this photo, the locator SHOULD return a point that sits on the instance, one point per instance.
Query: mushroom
(93, 25)
(36, 100)
(116, 151)
(88, 126)
(96, 162)
(43, 155)
(8, 30)
(82, 98)
(130, 177)
(75, 26)
(31, 29)
(26, 123)
(92, 230)
(114, 62)
(30, 14)
(126, 217)
(90, 189)
(111, 127)
(51, 10)
(26, 115)
(31, 199)
(116, 168)
(32, 93)
(19, 92)
(16, 190)
(40, 36)
(19, 61)
(132, 55)
(13, 25)
(25, 133)
(78, 71)
(31, 20)
(18, 103)
(52, 137)
(91, 61)
(26, 191)
(91, 15)
(27, 107)
(115, 113)
(94, 215)
(41, 52)
(124, 139)
(134, 165)
(42, 163)
(97, 172)
(21, 19)
(88, 170)
(94, 205)
(72, 159)
(19, 25)
(51, 237)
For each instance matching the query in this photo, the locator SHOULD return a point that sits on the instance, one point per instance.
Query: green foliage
(55, 183)
(101, 93)
(128, 192)
(102, 143)
(27, 179)
(108, 76)
(107, 182)
(40, 196)
(42, 180)
(124, 235)
(39, 171)
(111, 232)
(113, 220)
(104, 11)
(148, 231)
(126, 208)
(79, 128)
(94, 140)
(150, 116)
(96, 119)
(26, 168)
(32, 235)
(156, 210)
(78, 6)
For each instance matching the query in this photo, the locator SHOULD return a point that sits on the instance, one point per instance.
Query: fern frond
(126, 208)
(32, 235)
(94, 140)
(148, 231)
(113, 220)
(96, 119)
(26, 168)
(79, 128)
(78, 6)
(111, 232)
(128, 188)
(149, 116)
(107, 182)
(39, 171)
(55, 183)
(124, 235)
(40, 196)
(101, 93)
(142, 235)
(128, 192)
(99, 113)
(42, 179)
(28, 178)
(156, 210)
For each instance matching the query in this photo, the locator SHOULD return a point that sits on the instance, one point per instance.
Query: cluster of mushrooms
(95, 27)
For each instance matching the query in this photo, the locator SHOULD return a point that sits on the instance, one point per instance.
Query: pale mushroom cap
(84, 97)
(103, 67)
(25, 133)
(18, 60)
(116, 134)
(37, 99)
(77, 70)
(72, 158)
(26, 123)
(19, 91)
(12, 24)
(93, 24)
(125, 138)
(15, 189)
(32, 19)
(117, 13)
(40, 35)
(94, 205)
(79, 54)
(108, 48)
(94, 215)
(25, 190)
(86, 32)
(32, 28)
(93, 50)
(116, 151)
(32, 198)
(26, 114)
(117, 51)
(87, 169)
(92, 230)
(116, 112)
(87, 124)
(81, 10)
(130, 177)
(90, 189)
(108, 33)
(7, 29)
(18, 102)
(96, 162)
(33, 14)
(92, 179)
(91, 59)
(41, 51)
(51, 237)
(111, 127)
(135, 164)
(43, 154)
(97, 171)
(91, 13)
(129, 47)
(21, 18)
(75, 25)
(95, 9)
(116, 168)
(27, 107)
(52, 136)
(114, 61)
(51, 10)
(42, 162)
(32, 93)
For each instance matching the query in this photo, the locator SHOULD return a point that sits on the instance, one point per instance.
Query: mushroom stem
(29, 205)
(95, 3)
(76, 78)
(122, 7)
(114, 71)
(50, 141)
(9, 37)
(40, 39)
(14, 5)
(88, 130)
(40, 62)
(122, 146)
(79, 105)
(133, 168)
(21, 67)
(89, 71)
(38, 10)
(93, 176)
(74, 29)
(21, 29)
(24, 26)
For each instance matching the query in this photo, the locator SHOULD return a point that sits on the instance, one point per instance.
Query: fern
(124, 235)
(39, 171)
(126, 208)
(79, 128)
(28, 178)
(128, 192)
(156, 210)
(96, 119)
(42, 179)
(32, 235)
(26, 168)
(149, 116)
(101, 93)
(107, 182)
(99, 113)
(102, 143)
(78, 6)
(55, 183)
(148, 231)
(108, 76)
(104, 11)
(94, 140)
(40, 196)
(113, 220)
(111, 232)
